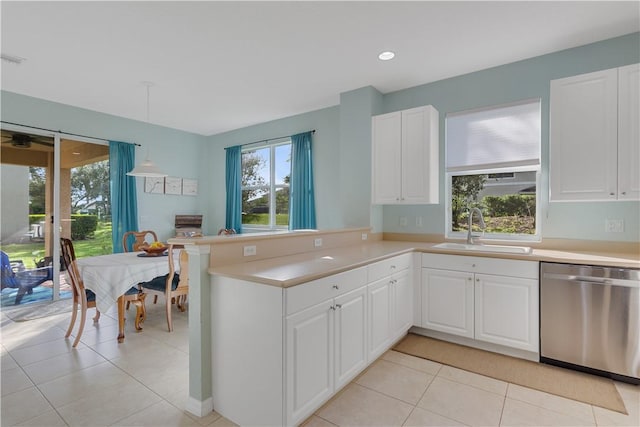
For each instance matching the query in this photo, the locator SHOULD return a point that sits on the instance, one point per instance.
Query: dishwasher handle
(606, 281)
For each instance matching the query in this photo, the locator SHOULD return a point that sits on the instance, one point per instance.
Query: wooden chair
(87, 298)
(139, 239)
(173, 286)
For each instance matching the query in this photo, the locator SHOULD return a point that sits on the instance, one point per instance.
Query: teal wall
(342, 150)
(175, 152)
(521, 80)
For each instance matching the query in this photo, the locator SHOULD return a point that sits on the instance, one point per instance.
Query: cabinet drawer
(472, 264)
(316, 291)
(387, 267)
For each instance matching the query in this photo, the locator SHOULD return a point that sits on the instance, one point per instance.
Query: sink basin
(526, 250)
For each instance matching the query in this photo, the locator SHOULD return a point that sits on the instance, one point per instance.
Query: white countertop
(293, 270)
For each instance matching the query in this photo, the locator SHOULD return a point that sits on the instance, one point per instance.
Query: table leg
(121, 318)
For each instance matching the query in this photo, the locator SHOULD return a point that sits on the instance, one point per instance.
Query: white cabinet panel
(629, 132)
(506, 311)
(447, 301)
(379, 296)
(350, 335)
(309, 365)
(405, 157)
(594, 141)
(402, 303)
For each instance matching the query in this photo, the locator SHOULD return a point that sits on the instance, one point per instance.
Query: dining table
(110, 276)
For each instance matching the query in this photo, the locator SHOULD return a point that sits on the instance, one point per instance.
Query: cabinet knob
(339, 305)
(473, 265)
(393, 267)
(612, 194)
(624, 193)
(335, 286)
(469, 278)
(332, 308)
(477, 280)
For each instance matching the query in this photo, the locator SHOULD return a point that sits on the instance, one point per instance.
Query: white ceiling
(219, 66)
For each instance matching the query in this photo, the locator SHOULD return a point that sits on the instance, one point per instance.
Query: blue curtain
(124, 204)
(234, 188)
(302, 206)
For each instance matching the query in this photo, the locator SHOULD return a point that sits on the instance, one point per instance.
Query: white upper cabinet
(405, 157)
(629, 132)
(593, 136)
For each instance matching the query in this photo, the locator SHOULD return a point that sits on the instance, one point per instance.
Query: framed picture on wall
(154, 185)
(172, 185)
(189, 187)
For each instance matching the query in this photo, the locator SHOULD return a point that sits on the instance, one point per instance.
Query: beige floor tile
(206, 420)
(421, 417)
(7, 362)
(473, 379)
(26, 334)
(132, 346)
(463, 403)
(551, 402)
(63, 364)
(159, 414)
(48, 419)
(223, 422)
(14, 380)
(316, 421)
(396, 381)
(517, 413)
(359, 406)
(23, 406)
(42, 351)
(112, 404)
(94, 380)
(413, 362)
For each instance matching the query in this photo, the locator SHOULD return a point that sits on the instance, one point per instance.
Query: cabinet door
(447, 301)
(506, 311)
(420, 156)
(583, 137)
(379, 296)
(350, 335)
(402, 303)
(628, 132)
(386, 158)
(309, 364)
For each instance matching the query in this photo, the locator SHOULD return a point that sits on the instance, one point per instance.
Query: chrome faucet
(470, 236)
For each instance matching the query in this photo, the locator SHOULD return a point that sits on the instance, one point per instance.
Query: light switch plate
(614, 225)
(317, 242)
(249, 250)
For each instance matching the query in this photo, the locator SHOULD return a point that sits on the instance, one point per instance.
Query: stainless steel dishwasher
(590, 319)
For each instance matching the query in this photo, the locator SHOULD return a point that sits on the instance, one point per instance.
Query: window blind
(496, 137)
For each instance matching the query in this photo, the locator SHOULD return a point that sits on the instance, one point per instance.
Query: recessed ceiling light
(76, 153)
(386, 55)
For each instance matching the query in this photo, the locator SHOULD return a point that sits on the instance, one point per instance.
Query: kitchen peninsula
(258, 309)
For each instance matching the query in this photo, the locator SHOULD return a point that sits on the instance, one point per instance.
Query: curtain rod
(270, 139)
(62, 132)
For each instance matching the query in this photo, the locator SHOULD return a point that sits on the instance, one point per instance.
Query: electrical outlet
(403, 221)
(317, 242)
(614, 225)
(419, 221)
(364, 236)
(249, 250)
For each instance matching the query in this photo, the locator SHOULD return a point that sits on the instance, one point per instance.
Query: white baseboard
(200, 408)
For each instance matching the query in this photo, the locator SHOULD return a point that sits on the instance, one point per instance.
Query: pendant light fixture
(147, 168)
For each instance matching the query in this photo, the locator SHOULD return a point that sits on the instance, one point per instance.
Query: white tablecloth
(110, 276)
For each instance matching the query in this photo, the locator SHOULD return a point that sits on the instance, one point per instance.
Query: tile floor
(144, 381)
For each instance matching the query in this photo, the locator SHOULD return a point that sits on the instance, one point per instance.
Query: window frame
(271, 188)
(486, 169)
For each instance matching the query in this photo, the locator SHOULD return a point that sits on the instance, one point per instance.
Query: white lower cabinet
(326, 344)
(390, 294)
(487, 299)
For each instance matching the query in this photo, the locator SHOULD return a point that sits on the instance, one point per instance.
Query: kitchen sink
(525, 250)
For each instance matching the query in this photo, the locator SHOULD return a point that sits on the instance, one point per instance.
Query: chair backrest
(139, 238)
(69, 259)
(183, 260)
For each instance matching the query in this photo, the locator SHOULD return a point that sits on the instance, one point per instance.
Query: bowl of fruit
(154, 248)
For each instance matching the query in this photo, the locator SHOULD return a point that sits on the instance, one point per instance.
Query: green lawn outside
(30, 252)
(263, 219)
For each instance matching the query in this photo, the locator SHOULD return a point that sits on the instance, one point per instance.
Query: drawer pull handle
(332, 308)
(393, 267)
(335, 286)
(339, 305)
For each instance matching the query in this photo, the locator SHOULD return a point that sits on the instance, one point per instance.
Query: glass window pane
(282, 206)
(508, 204)
(283, 164)
(255, 167)
(255, 206)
